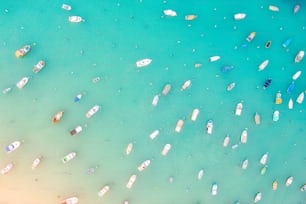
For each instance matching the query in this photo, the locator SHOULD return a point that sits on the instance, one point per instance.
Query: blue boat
(287, 43)
(77, 97)
(267, 83)
(227, 68)
(290, 88)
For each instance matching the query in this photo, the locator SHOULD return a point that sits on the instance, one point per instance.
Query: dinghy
(238, 110)
(179, 125)
(166, 149)
(103, 191)
(131, 181)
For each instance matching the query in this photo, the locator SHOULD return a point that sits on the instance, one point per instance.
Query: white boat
(169, 12)
(209, 126)
(264, 158)
(36, 162)
(297, 75)
(195, 114)
(75, 19)
(20, 84)
(300, 98)
(66, 7)
(245, 164)
(214, 58)
(7, 168)
(257, 197)
(299, 56)
(289, 181)
(154, 134)
(68, 157)
(129, 148)
(179, 125)
(103, 191)
(273, 8)
(200, 174)
(226, 141)
(166, 89)
(144, 165)
(238, 110)
(6, 90)
(231, 86)
(214, 189)
(275, 116)
(39, 66)
(72, 200)
(186, 85)
(131, 181)
(13, 146)
(143, 62)
(290, 103)
(155, 100)
(257, 118)
(244, 136)
(263, 65)
(166, 149)
(76, 130)
(92, 111)
(239, 16)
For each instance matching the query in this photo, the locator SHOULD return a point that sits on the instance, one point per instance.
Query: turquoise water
(113, 37)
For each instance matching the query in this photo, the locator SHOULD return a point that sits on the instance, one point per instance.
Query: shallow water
(113, 37)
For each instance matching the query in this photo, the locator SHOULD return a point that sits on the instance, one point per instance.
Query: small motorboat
(6, 90)
(286, 43)
(278, 98)
(244, 136)
(76, 130)
(186, 85)
(214, 189)
(238, 110)
(20, 84)
(77, 98)
(227, 68)
(274, 185)
(209, 127)
(72, 200)
(296, 8)
(268, 44)
(197, 65)
(273, 8)
(214, 58)
(169, 12)
(226, 141)
(66, 7)
(200, 174)
(103, 191)
(166, 89)
(267, 83)
(7, 168)
(143, 62)
(144, 165)
(296, 75)
(289, 181)
(179, 125)
(129, 148)
(195, 114)
(275, 116)
(231, 86)
(131, 181)
(39, 66)
(155, 100)
(263, 170)
(92, 111)
(57, 117)
(96, 80)
(251, 36)
(154, 134)
(257, 197)
(36, 162)
(299, 56)
(290, 88)
(166, 149)
(23, 51)
(263, 65)
(239, 16)
(300, 98)
(257, 118)
(75, 19)
(264, 158)
(290, 103)
(303, 187)
(68, 157)
(245, 164)
(13, 146)
(190, 17)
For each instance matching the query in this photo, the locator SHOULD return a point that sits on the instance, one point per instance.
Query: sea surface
(116, 34)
